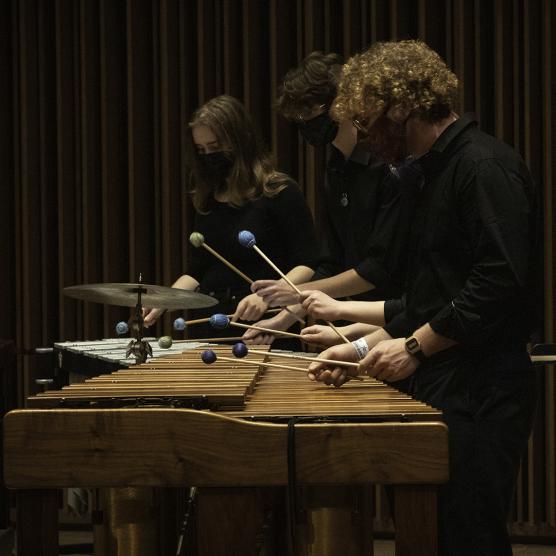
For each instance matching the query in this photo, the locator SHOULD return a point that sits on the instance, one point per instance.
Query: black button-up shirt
(472, 244)
(363, 228)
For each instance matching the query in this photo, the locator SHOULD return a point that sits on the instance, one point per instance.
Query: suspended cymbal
(151, 296)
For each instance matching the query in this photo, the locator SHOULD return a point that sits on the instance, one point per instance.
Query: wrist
(286, 317)
(361, 348)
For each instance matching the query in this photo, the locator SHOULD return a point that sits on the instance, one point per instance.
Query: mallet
(220, 321)
(247, 239)
(197, 239)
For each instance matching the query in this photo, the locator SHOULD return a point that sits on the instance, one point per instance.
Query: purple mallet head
(208, 356)
(240, 350)
(246, 238)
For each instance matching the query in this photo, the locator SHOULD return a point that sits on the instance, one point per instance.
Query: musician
(235, 187)
(364, 242)
(460, 330)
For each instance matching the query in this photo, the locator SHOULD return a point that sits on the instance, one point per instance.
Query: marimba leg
(416, 520)
(37, 522)
(339, 519)
(129, 524)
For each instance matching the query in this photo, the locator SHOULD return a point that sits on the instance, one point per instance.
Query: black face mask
(320, 130)
(386, 140)
(215, 167)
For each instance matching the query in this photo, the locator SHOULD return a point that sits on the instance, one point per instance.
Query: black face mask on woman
(215, 167)
(320, 130)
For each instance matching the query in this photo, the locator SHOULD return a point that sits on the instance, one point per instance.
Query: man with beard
(459, 333)
(364, 246)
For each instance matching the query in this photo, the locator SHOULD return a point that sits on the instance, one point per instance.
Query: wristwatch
(413, 347)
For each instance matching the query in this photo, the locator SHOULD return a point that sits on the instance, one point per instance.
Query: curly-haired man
(459, 333)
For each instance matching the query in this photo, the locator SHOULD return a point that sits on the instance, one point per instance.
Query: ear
(398, 114)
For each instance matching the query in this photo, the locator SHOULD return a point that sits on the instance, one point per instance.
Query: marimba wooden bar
(365, 432)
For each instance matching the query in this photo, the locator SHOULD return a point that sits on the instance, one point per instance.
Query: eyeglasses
(302, 118)
(360, 124)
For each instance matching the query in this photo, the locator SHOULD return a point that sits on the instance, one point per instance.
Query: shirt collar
(360, 155)
(431, 159)
(452, 131)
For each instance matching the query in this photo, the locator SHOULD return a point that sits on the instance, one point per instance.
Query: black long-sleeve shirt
(362, 224)
(283, 228)
(472, 251)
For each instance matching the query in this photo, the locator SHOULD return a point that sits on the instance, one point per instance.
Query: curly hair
(312, 83)
(253, 171)
(405, 75)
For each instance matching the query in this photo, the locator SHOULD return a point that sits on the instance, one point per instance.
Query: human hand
(390, 361)
(320, 335)
(275, 292)
(150, 316)
(330, 373)
(251, 307)
(321, 306)
(253, 336)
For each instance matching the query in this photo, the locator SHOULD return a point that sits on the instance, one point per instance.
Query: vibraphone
(262, 427)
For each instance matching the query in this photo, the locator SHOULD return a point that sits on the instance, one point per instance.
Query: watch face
(412, 345)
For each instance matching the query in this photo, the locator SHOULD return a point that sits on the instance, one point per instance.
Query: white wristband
(361, 348)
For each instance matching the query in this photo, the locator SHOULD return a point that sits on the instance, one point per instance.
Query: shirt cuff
(398, 327)
(392, 307)
(457, 324)
(373, 272)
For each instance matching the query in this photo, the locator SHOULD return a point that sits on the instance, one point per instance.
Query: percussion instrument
(92, 358)
(126, 295)
(264, 427)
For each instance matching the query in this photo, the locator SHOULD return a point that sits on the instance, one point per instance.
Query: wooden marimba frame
(257, 422)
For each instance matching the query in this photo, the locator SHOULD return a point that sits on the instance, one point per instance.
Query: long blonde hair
(252, 174)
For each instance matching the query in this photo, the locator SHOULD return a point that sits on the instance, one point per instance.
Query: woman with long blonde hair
(234, 187)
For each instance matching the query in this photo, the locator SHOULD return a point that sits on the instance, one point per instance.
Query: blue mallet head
(208, 356)
(179, 324)
(246, 239)
(240, 350)
(219, 321)
(122, 328)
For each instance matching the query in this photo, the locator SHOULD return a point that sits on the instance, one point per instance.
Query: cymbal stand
(138, 347)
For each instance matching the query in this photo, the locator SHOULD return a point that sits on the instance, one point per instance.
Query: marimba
(259, 427)
(91, 358)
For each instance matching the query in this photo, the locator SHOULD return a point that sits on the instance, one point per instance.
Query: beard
(386, 140)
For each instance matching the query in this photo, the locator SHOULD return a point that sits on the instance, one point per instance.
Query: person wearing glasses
(363, 247)
(459, 334)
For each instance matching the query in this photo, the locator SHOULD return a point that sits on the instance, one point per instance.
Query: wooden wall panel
(95, 109)
(7, 179)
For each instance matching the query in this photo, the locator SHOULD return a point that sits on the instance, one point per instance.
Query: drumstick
(197, 239)
(220, 321)
(247, 239)
(241, 350)
(208, 356)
